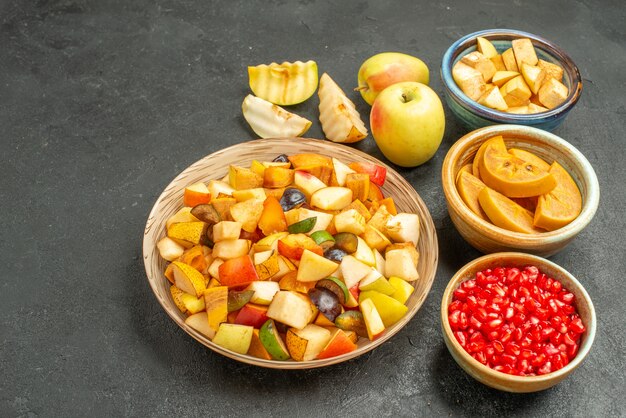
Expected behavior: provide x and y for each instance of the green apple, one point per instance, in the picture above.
(271, 340)
(382, 70)
(408, 122)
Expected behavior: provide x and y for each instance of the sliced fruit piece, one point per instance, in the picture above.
(552, 70)
(247, 194)
(505, 213)
(485, 47)
(231, 248)
(350, 221)
(552, 93)
(399, 262)
(561, 205)
(322, 221)
(253, 315)
(373, 322)
(196, 194)
(375, 281)
(377, 172)
(314, 267)
(248, 213)
(216, 302)
(481, 63)
(268, 120)
(352, 321)
(493, 98)
(338, 116)
(530, 157)
(402, 289)
(256, 347)
(272, 219)
(238, 271)
(303, 226)
(375, 239)
(516, 92)
(264, 291)
(346, 241)
(192, 304)
(468, 187)
(534, 76)
(169, 249)
(496, 142)
(340, 172)
(284, 84)
(292, 309)
(404, 227)
(269, 242)
(226, 230)
(237, 299)
(200, 323)
(512, 176)
(293, 246)
(183, 215)
(271, 340)
(331, 198)
(326, 302)
(498, 62)
(217, 187)
(364, 253)
(290, 282)
(277, 177)
(353, 270)
(188, 279)
(336, 286)
(323, 239)
(222, 207)
(188, 234)
(524, 51)
(296, 345)
(307, 183)
(338, 344)
(508, 57)
(469, 80)
(359, 183)
(500, 78)
(177, 298)
(389, 309)
(270, 267)
(241, 178)
(305, 344)
(234, 337)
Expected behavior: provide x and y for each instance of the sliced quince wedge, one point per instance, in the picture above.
(512, 176)
(561, 205)
(271, 121)
(505, 213)
(284, 84)
(339, 118)
(469, 187)
(497, 142)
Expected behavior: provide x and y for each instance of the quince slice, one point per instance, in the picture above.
(284, 84)
(271, 121)
(505, 213)
(561, 205)
(512, 176)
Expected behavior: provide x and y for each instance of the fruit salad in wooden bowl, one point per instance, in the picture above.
(290, 253)
(512, 187)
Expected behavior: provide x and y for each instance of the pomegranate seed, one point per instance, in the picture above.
(516, 321)
(577, 326)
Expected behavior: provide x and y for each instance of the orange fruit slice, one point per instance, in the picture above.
(530, 157)
(529, 203)
(560, 206)
(505, 213)
(497, 142)
(469, 187)
(511, 175)
(466, 168)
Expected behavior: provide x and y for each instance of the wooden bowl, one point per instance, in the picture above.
(215, 166)
(489, 238)
(503, 381)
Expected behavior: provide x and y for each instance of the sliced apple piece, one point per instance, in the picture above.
(247, 213)
(200, 323)
(350, 221)
(234, 337)
(373, 322)
(339, 118)
(264, 291)
(196, 194)
(271, 121)
(404, 227)
(375, 281)
(339, 343)
(403, 289)
(399, 263)
(256, 347)
(340, 172)
(253, 315)
(534, 76)
(307, 183)
(226, 230)
(284, 84)
(364, 253)
(493, 98)
(389, 309)
(516, 92)
(552, 70)
(524, 52)
(292, 309)
(169, 249)
(231, 248)
(481, 63)
(353, 270)
(331, 198)
(500, 78)
(247, 194)
(305, 344)
(552, 93)
(217, 187)
(314, 267)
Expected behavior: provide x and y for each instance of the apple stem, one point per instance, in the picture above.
(360, 88)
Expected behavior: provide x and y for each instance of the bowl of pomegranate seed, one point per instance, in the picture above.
(517, 322)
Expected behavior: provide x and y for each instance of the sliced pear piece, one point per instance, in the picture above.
(338, 115)
(271, 121)
(284, 84)
(200, 323)
(188, 279)
(314, 267)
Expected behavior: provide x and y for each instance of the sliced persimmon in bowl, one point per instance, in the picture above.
(469, 187)
(497, 142)
(512, 176)
(561, 205)
(505, 213)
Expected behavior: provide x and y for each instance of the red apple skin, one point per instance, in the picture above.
(237, 272)
(252, 315)
(339, 344)
(377, 173)
(382, 70)
(293, 245)
(408, 123)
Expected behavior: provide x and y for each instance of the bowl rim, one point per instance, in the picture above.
(515, 239)
(486, 370)
(148, 247)
(493, 115)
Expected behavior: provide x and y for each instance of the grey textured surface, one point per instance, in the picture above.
(103, 102)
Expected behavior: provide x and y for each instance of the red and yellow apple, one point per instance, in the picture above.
(387, 68)
(408, 122)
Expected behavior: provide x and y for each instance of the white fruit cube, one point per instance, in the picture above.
(217, 187)
(317, 337)
(469, 80)
(169, 249)
(291, 309)
(350, 221)
(264, 291)
(231, 248)
(314, 267)
(331, 198)
(353, 270)
(399, 263)
(307, 183)
(200, 323)
(404, 227)
(341, 171)
(226, 230)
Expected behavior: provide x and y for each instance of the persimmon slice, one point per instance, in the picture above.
(530, 157)
(469, 187)
(513, 176)
(505, 213)
(561, 205)
(497, 142)
(466, 168)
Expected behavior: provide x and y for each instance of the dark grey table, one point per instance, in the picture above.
(103, 102)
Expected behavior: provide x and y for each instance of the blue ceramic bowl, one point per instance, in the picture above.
(474, 115)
